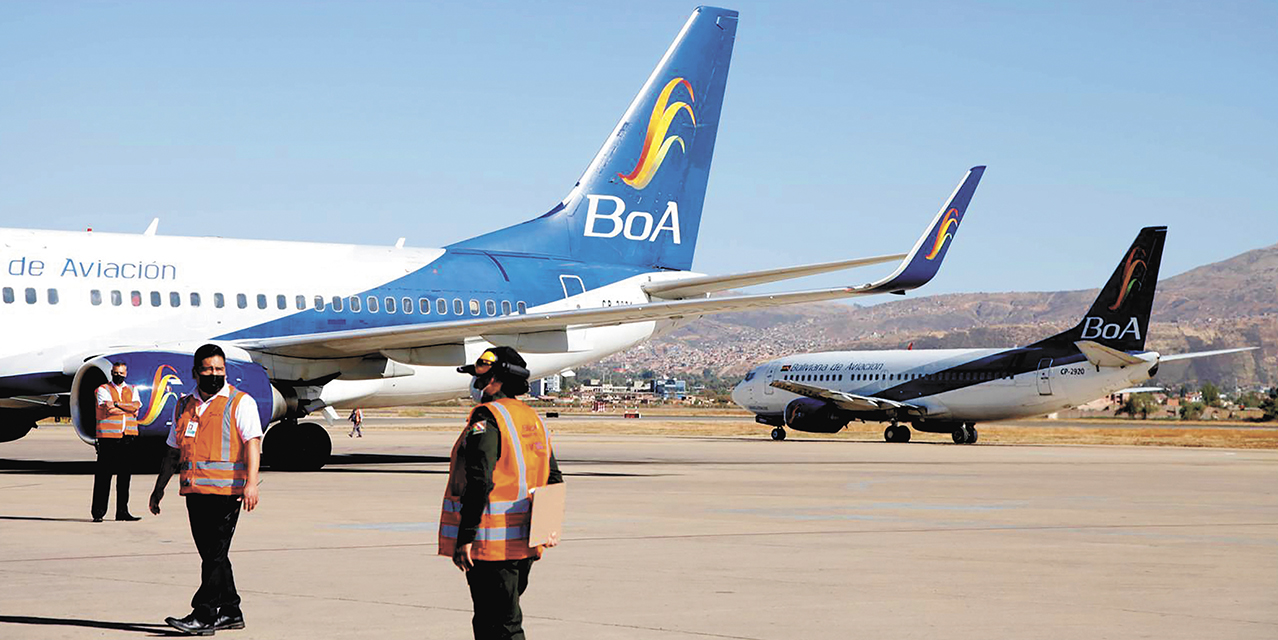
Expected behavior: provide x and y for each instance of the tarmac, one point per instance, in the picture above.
(685, 537)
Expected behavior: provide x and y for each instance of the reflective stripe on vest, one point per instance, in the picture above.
(505, 521)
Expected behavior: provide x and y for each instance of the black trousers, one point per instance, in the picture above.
(213, 519)
(495, 588)
(115, 455)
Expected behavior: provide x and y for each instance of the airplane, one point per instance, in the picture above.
(950, 390)
(310, 328)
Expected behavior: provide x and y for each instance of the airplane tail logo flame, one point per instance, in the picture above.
(655, 143)
(160, 393)
(944, 233)
(1135, 260)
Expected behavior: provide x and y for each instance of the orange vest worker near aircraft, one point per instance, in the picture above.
(501, 456)
(216, 446)
(117, 418)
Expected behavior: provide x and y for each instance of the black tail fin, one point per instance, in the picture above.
(1120, 316)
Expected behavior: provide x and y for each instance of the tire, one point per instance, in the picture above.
(960, 435)
(778, 434)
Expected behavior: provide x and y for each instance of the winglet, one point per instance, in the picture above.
(151, 228)
(925, 259)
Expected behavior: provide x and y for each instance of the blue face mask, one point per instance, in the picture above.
(476, 390)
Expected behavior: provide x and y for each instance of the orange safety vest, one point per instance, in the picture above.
(121, 425)
(524, 464)
(213, 458)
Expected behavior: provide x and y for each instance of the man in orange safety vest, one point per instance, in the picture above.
(117, 428)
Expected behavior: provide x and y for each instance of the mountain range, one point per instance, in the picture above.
(1231, 303)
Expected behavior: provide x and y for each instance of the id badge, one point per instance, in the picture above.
(191, 427)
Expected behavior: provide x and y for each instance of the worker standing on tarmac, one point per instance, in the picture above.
(216, 446)
(502, 454)
(117, 418)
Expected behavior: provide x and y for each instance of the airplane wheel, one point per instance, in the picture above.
(971, 433)
(903, 433)
(889, 434)
(960, 435)
(778, 433)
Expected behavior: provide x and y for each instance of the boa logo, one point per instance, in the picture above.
(160, 393)
(1094, 327)
(655, 142)
(1131, 281)
(638, 225)
(944, 233)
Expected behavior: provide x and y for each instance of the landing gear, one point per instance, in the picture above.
(965, 434)
(778, 433)
(290, 446)
(896, 433)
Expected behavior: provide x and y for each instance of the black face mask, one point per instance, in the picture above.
(211, 384)
(117, 379)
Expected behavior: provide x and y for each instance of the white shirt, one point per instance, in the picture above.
(246, 418)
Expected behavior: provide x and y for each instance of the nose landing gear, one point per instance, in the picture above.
(778, 433)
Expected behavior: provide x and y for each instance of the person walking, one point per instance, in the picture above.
(357, 419)
(117, 428)
(216, 447)
(502, 454)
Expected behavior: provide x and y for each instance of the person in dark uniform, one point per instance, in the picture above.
(117, 428)
(216, 446)
(501, 456)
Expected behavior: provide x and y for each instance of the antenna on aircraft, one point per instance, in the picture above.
(150, 229)
(399, 244)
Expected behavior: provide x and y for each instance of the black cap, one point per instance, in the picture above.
(507, 364)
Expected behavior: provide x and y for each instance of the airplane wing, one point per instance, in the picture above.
(844, 400)
(699, 286)
(1202, 354)
(552, 327)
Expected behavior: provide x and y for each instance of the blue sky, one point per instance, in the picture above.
(845, 125)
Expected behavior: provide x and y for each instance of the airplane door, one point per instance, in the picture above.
(1045, 377)
(572, 285)
(768, 389)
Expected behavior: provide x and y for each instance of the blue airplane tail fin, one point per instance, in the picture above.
(639, 202)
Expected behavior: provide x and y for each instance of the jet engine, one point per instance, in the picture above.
(159, 378)
(814, 416)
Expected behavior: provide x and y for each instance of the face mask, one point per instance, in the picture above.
(211, 384)
(477, 390)
(117, 379)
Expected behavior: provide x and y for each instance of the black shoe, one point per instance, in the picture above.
(191, 625)
(97, 518)
(128, 517)
(223, 621)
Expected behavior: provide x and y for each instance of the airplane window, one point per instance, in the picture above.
(30, 295)
(355, 306)
(505, 307)
(53, 296)
(406, 304)
(423, 306)
(8, 295)
(261, 301)
(136, 298)
(390, 304)
(219, 300)
(281, 301)
(155, 298)
(300, 303)
(474, 307)
(116, 299)
(523, 308)
(195, 299)
(95, 297)
(458, 307)
(372, 304)
(241, 301)
(175, 299)
(337, 303)
(490, 307)
(319, 303)
(441, 306)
